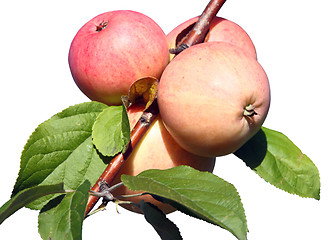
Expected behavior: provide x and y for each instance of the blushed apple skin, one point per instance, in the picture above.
(104, 63)
(156, 150)
(221, 30)
(203, 93)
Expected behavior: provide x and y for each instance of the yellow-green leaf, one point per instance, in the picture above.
(145, 89)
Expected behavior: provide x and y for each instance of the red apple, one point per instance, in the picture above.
(221, 30)
(156, 150)
(113, 50)
(213, 97)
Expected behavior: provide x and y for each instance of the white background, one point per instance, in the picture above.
(292, 41)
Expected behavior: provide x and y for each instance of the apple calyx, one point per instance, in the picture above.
(249, 111)
(101, 26)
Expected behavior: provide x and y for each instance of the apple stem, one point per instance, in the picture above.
(196, 35)
(201, 27)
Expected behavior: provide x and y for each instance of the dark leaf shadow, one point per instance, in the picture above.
(53, 203)
(254, 151)
(181, 208)
(106, 159)
(165, 228)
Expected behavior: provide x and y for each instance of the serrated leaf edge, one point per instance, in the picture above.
(206, 218)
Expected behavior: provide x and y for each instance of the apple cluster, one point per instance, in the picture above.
(212, 97)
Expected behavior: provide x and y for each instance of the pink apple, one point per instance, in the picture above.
(113, 50)
(213, 97)
(221, 30)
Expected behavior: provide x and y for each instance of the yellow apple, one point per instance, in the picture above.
(157, 150)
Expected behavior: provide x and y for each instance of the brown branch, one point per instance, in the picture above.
(196, 35)
(118, 161)
(199, 31)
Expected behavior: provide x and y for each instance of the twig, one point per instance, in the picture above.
(199, 31)
(196, 35)
(118, 161)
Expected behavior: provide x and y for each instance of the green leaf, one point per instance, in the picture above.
(61, 150)
(278, 161)
(199, 194)
(165, 228)
(27, 196)
(111, 131)
(64, 220)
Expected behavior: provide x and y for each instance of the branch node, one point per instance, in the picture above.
(179, 49)
(105, 192)
(146, 118)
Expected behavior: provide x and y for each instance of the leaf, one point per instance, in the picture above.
(27, 196)
(111, 131)
(278, 161)
(64, 220)
(199, 194)
(145, 88)
(165, 228)
(61, 150)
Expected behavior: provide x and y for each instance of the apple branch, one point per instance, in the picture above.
(118, 161)
(195, 36)
(199, 31)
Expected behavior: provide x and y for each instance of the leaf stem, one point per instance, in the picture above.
(131, 195)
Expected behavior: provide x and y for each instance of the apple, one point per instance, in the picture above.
(114, 49)
(221, 30)
(156, 150)
(213, 97)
